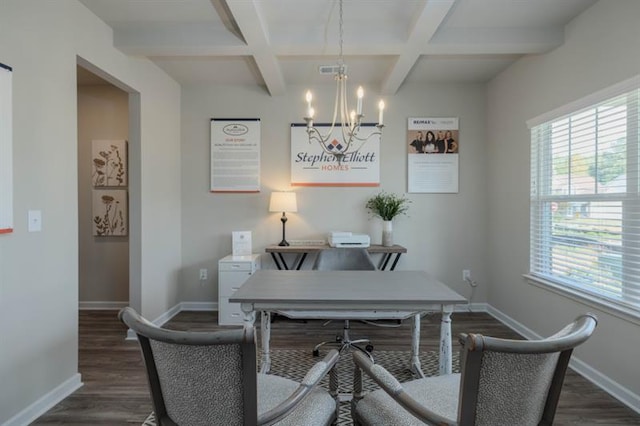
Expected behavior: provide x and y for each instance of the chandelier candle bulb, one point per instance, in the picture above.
(381, 106)
(309, 98)
(360, 96)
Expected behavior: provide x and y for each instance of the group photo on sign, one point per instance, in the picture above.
(433, 173)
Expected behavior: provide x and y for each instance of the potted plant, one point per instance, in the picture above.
(387, 206)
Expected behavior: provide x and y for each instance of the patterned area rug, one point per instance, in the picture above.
(294, 364)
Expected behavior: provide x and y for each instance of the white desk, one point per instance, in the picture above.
(349, 295)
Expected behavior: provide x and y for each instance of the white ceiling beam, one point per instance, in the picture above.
(483, 41)
(424, 27)
(253, 28)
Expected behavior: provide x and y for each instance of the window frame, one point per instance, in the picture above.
(557, 284)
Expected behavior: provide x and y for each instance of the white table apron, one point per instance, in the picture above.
(266, 291)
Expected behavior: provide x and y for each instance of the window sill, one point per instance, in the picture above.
(586, 299)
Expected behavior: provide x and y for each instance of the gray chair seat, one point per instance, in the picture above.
(315, 409)
(440, 391)
(210, 378)
(503, 382)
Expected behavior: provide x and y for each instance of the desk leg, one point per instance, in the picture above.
(300, 261)
(275, 260)
(385, 261)
(395, 261)
(445, 340)
(415, 365)
(284, 263)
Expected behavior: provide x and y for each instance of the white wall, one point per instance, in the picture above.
(39, 271)
(444, 233)
(103, 114)
(601, 49)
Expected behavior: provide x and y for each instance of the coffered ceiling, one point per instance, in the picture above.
(386, 43)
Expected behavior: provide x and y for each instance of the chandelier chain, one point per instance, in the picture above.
(341, 58)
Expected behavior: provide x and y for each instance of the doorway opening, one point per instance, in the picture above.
(108, 167)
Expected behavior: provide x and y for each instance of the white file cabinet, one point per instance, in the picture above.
(232, 273)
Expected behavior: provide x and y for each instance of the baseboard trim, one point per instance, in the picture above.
(111, 306)
(164, 318)
(198, 306)
(46, 402)
(613, 388)
(471, 307)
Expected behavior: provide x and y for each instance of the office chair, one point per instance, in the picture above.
(344, 259)
(210, 378)
(502, 382)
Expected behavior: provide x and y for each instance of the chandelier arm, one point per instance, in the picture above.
(357, 138)
(314, 134)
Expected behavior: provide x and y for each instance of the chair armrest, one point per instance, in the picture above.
(394, 389)
(310, 381)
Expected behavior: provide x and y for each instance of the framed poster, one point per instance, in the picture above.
(235, 155)
(110, 213)
(313, 164)
(433, 145)
(109, 163)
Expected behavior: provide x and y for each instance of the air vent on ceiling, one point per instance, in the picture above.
(331, 69)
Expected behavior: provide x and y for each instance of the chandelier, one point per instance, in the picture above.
(350, 122)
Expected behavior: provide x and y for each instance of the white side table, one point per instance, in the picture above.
(233, 271)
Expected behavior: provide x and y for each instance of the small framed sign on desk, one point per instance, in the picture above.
(241, 243)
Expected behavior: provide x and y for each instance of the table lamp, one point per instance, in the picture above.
(283, 202)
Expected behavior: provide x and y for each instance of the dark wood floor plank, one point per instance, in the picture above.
(115, 387)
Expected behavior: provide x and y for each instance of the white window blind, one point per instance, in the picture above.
(6, 155)
(585, 203)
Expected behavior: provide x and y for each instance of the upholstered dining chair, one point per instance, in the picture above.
(502, 382)
(210, 378)
(344, 259)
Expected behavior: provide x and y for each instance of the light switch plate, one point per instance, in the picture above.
(35, 221)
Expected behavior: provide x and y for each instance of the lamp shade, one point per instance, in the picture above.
(283, 202)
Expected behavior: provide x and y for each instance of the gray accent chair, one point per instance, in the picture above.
(344, 259)
(502, 382)
(210, 378)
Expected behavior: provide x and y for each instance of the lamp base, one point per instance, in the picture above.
(284, 242)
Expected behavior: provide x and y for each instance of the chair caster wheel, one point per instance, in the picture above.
(316, 353)
(369, 348)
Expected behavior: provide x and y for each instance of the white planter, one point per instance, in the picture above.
(387, 233)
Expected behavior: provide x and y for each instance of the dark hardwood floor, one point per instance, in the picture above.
(115, 388)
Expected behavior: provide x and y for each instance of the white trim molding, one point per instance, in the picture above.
(198, 306)
(106, 306)
(46, 402)
(613, 388)
(599, 96)
(175, 310)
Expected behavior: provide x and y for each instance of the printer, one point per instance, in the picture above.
(348, 239)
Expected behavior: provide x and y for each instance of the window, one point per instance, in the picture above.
(585, 198)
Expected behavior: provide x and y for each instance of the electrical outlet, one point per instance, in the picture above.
(203, 274)
(466, 275)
